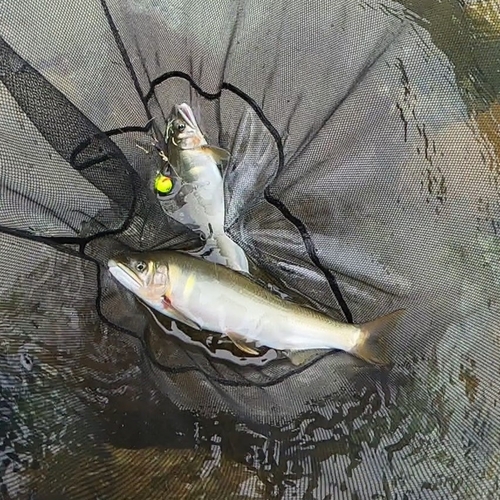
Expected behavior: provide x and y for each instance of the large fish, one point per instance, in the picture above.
(208, 296)
(195, 164)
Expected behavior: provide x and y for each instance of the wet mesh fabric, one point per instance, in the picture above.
(363, 178)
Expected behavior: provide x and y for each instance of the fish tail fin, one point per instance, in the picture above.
(372, 346)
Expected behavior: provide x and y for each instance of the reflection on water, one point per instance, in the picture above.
(468, 32)
(152, 448)
(153, 473)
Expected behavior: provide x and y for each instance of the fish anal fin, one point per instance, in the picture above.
(302, 357)
(373, 344)
(218, 154)
(240, 342)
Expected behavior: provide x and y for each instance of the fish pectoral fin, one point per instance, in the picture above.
(218, 154)
(240, 342)
(179, 316)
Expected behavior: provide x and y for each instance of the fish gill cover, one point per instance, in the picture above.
(363, 178)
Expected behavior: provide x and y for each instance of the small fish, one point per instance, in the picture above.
(209, 296)
(195, 163)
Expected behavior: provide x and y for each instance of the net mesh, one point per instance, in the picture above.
(363, 178)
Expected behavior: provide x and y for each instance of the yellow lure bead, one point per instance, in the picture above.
(163, 184)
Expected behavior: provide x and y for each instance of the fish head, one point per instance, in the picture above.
(183, 130)
(142, 275)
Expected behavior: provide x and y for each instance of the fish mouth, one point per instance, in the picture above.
(185, 112)
(124, 275)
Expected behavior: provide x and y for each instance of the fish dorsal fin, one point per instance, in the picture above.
(240, 342)
(218, 154)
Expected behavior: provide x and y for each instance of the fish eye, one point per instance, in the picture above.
(180, 127)
(140, 266)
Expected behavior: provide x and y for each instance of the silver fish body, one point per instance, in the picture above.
(195, 163)
(212, 297)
